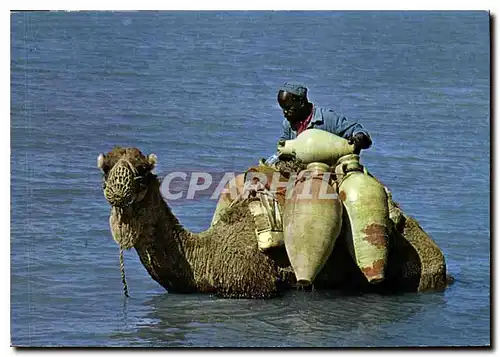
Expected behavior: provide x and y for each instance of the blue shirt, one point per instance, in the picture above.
(328, 120)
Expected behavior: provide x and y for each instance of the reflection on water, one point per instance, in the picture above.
(295, 320)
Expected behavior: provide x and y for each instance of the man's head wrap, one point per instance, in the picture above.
(295, 88)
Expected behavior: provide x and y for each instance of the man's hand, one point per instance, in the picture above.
(360, 141)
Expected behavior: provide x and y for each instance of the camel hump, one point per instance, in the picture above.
(257, 186)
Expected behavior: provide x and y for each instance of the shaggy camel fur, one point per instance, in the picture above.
(225, 260)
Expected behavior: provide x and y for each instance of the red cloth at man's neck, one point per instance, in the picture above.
(301, 126)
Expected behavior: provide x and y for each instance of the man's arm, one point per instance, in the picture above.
(346, 128)
(286, 135)
(341, 126)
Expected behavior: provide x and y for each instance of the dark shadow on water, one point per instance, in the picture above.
(298, 319)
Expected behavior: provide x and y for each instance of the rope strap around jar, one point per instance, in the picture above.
(304, 175)
(345, 165)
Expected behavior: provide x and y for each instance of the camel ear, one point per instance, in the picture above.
(152, 159)
(100, 161)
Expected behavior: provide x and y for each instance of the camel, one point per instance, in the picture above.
(225, 260)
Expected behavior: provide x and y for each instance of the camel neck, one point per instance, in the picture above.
(165, 251)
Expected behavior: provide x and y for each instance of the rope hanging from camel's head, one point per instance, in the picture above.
(122, 270)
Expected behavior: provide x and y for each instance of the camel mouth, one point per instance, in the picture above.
(119, 203)
(126, 173)
(122, 186)
(127, 199)
(119, 195)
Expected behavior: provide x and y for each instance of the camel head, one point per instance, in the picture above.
(126, 173)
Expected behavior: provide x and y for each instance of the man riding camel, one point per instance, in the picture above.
(300, 115)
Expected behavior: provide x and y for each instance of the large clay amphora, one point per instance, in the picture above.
(365, 202)
(315, 145)
(312, 220)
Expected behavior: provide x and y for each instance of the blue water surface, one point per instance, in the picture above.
(199, 90)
